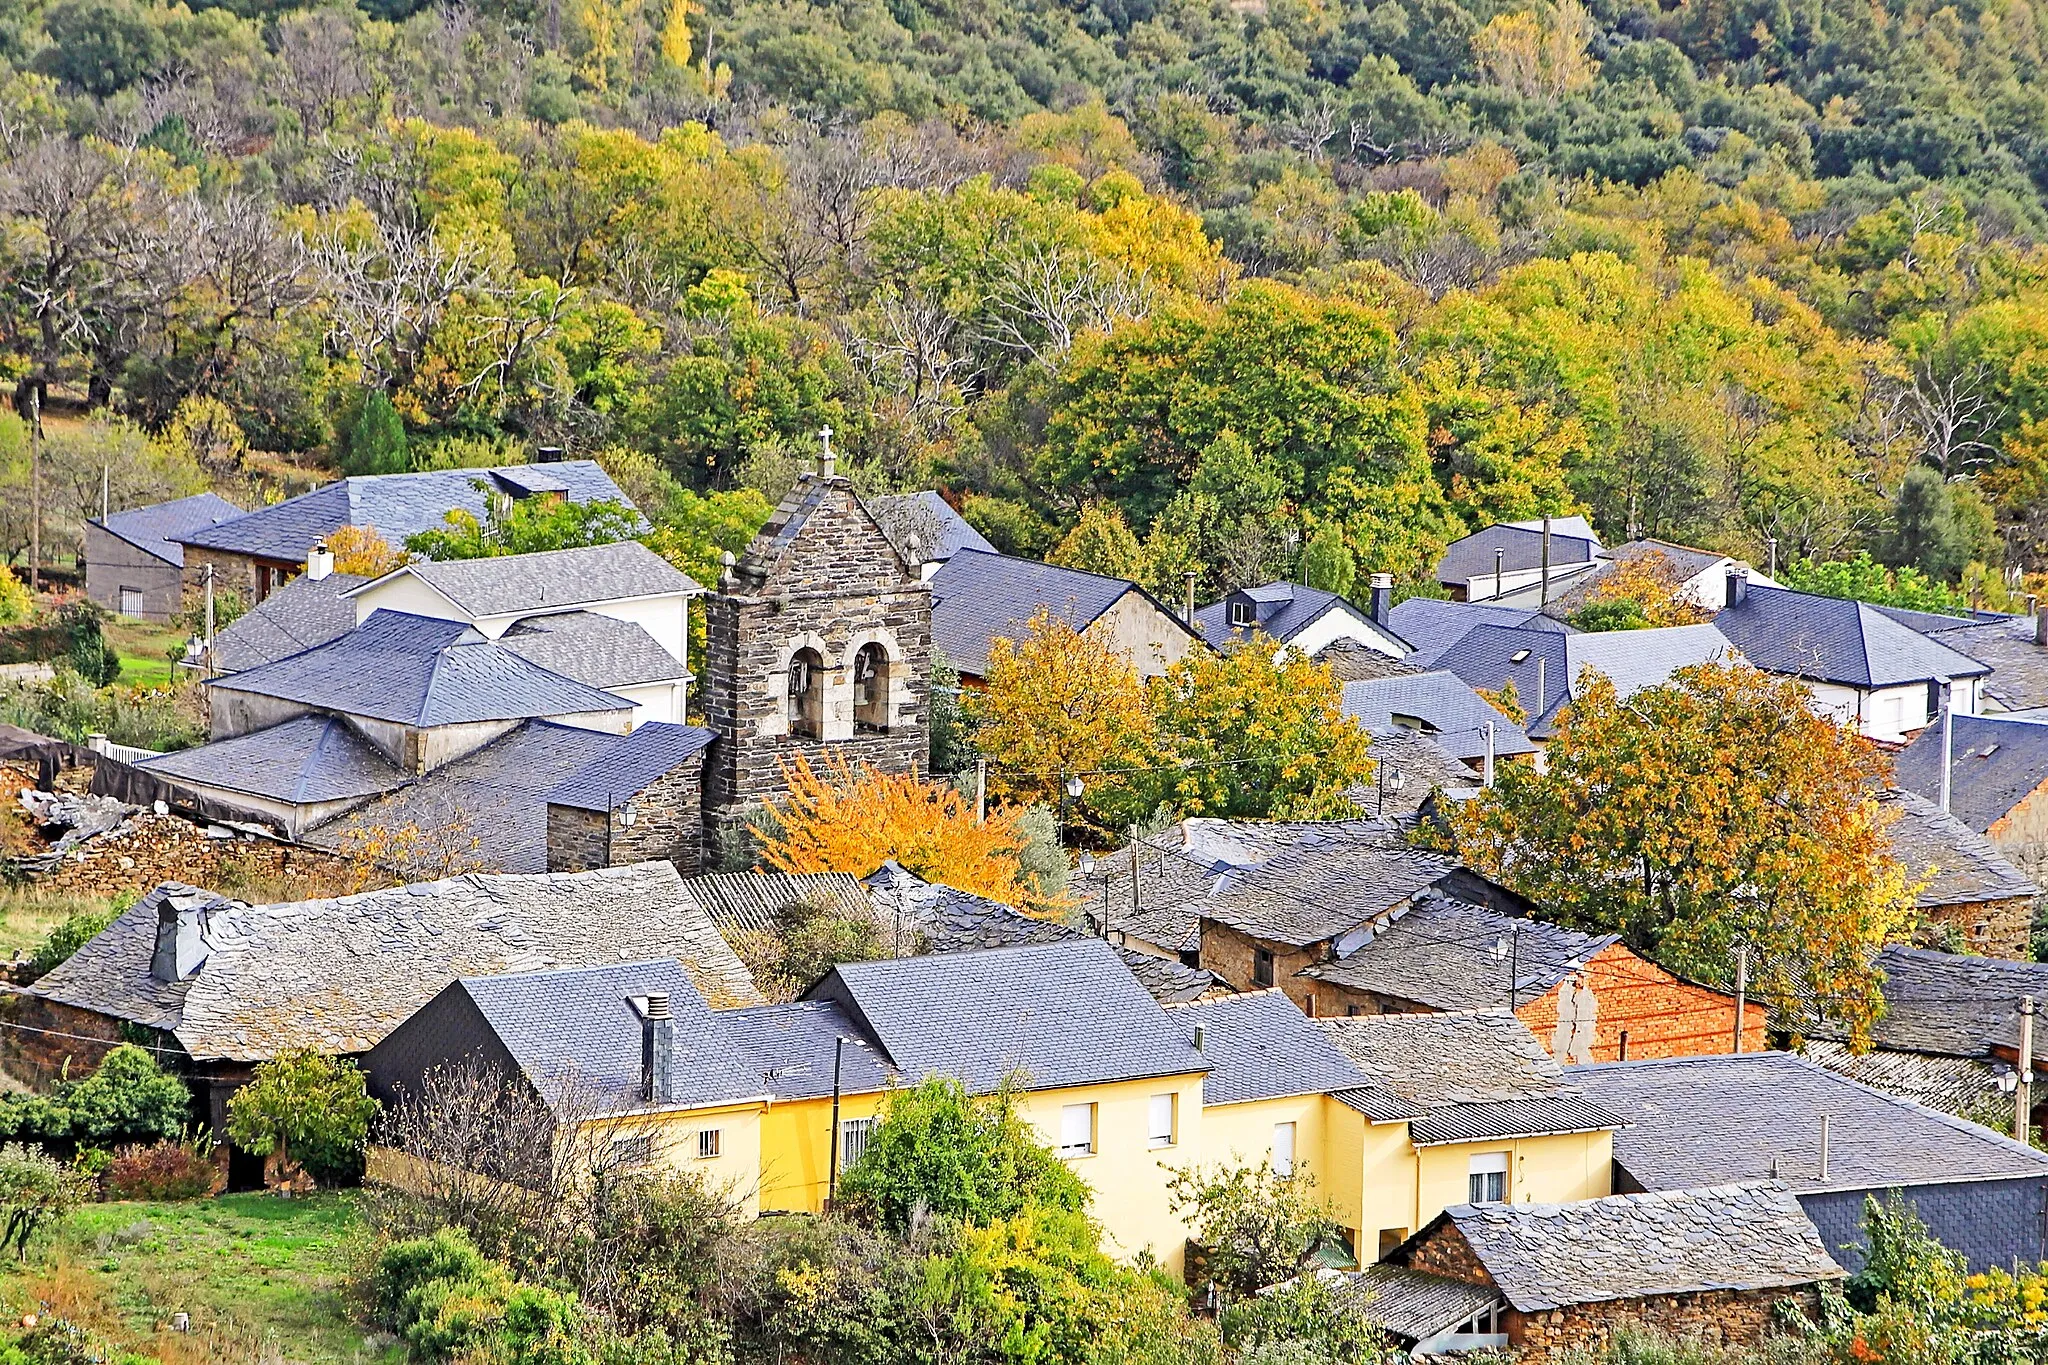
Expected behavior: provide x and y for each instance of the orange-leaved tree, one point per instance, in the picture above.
(1645, 589)
(360, 550)
(1713, 809)
(852, 819)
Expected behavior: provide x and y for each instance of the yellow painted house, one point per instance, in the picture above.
(1397, 1117)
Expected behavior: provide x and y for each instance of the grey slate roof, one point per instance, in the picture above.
(792, 1046)
(295, 617)
(1958, 865)
(304, 761)
(1433, 625)
(1260, 1046)
(1535, 1116)
(1451, 1058)
(978, 597)
(1953, 1004)
(631, 765)
(1830, 639)
(1954, 1085)
(1440, 704)
(1061, 1014)
(1633, 659)
(1171, 886)
(1440, 954)
(1325, 884)
(749, 902)
(548, 580)
(927, 517)
(1994, 763)
(1409, 766)
(1534, 659)
(396, 506)
(1473, 556)
(415, 670)
(1756, 1115)
(1683, 561)
(2019, 681)
(1283, 611)
(157, 529)
(575, 1033)
(339, 974)
(1411, 1304)
(1741, 1236)
(597, 651)
(1349, 661)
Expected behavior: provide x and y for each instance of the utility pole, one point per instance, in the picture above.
(1948, 737)
(981, 789)
(1741, 988)
(1511, 950)
(832, 1183)
(1488, 775)
(106, 475)
(207, 573)
(2023, 1095)
(1499, 586)
(35, 488)
(1543, 593)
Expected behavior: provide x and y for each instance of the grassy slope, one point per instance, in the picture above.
(261, 1276)
(143, 647)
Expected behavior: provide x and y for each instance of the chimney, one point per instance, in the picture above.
(1738, 586)
(1190, 576)
(2041, 627)
(181, 945)
(548, 455)
(657, 1047)
(1382, 597)
(319, 561)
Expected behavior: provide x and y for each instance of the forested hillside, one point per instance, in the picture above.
(1247, 287)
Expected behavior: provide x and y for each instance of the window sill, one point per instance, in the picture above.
(1076, 1154)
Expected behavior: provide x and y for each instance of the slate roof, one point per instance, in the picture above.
(1954, 1085)
(496, 795)
(1260, 1046)
(1455, 1057)
(1283, 610)
(791, 1047)
(1756, 1115)
(1684, 562)
(575, 1033)
(630, 765)
(1958, 865)
(304, 761)
(415, 670)
(1472, 556)
(339, 974)
(1172, 883)
(1953, 1004)
(1628, 1246)
(1433, 625)
(1440, 954)
(1534, 659)
(1409, 766)
(1349, 661)
(597, 651)
(1443, 706)
(547, 580)
(302, 613)
(749, 902)
(2019, 681)
(1994, 763)
(396, 506)
(1325, 884)
(157, 529)
(928, 517)
(1411, 1304)
(979, 597)
(1830, 639)
(1061, 1014)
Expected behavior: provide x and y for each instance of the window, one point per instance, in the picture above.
(131, 601)
(1283, 1149)
(1242, 613)
(1488, 1182)
(1391, 1238)
(1262, 967)
(631, 1152)
(1077, 1130)
(1485, 1323)
(1159, 1130)
(807, 694)
(707, 1143)
(853, 1139)
(1933, 698)
(871, 689)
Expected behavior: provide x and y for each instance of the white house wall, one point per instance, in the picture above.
(1339, 624)
(1142, 633)
(406, 593)
(661, 701)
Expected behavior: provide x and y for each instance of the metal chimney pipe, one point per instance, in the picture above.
(657, 1050)
(1948, 738)
(1826, 1133)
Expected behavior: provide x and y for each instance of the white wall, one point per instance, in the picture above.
(661, 701)
(1340, 623)
(403, 592)
(1891, 714)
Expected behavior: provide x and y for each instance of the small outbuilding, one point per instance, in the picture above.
(134, 563)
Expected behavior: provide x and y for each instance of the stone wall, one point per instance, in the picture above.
(1444, 1251)
(668, 825)
(1723, 1317)
(153, 848)
(2002, 928)
(577, 839)
(1231, 954)
(45, 1041)
(231, 572)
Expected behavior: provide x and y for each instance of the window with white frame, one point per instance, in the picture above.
(1283, 1149)
(1242, 613)
(853, 1139)
(1487, 1182)
(1159, 1129)
(1077, 1130)
(1485, 1323)
(707, 1143)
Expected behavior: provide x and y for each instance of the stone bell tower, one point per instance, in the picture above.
(819, 644)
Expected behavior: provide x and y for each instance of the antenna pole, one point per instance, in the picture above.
(1489, 754)
(1741, 988)
(1948, 738)
(832, 1185)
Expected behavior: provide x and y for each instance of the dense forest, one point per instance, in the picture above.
(1247, 287)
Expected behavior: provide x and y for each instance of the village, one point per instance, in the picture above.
(494, 880)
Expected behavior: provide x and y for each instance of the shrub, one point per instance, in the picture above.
(88, 652)
(317, 1108)
(35, 1190)
(163, 1170)
(77, 929)
(130, 1099)
(16, 605)
(447, 1301)
(69, 707)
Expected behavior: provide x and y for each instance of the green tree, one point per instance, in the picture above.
(101, 46)
(1255, 1225)
(1101, 542)
(129, 1098)
(542, 522)
(317, 1109)
(376, 438)
(1926, 531)
(1327, 562)
(88, 652)
(35, 1191)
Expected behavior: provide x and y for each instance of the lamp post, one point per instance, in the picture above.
(1069, 794)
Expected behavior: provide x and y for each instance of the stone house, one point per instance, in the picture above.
(1968, 891)
(1718, 1264)
(134, 563)
(1998, 781)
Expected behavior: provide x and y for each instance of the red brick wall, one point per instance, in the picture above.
(1662, 1015)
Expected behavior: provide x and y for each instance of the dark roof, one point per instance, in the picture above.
(547, 580)
(750, 902)
(928, 518)
(1442, 706)
(597, 651)
(295, 617)
(1684, 561)
(1535, 1116)
(1325, 884)
(792, 1049)
(576, 1033)
(631, 765)
(304, 761)
(416, 670)
(1628, 1246)
(1757, 1115)
(1170, 888)
(2019, 680)
(1062, 1014)
(1411, 1304)
(396, 506)
(1473, 556)
(978, 597)
(1440, 953)
(1957, 865)
(339, 974)
(1409, 765)
(1534, 659)
(1953, 1004)
(1283, 611)
(1995, 762)
(1260, 1046)
(1433, 625)
(157, 529)
(1459, 1057)
(1831, 639)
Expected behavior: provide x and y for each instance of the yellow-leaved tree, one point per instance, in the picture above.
(360, 550)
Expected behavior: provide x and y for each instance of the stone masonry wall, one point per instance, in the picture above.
(2002, 928)
(1230, 953)
(1444, 1251)
(45, 1041)
(1725, 1317)
(668, 825)
(576, 839)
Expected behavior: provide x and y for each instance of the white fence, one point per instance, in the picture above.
(126, 753)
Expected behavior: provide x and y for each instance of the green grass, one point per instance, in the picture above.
(144, 649)
(262, 1277)
(27, 915)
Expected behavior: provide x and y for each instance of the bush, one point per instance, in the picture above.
(70, 707)
(163, 1170)
(87, 651)
(130, 1099)
(35, 1190)
(317, 1108)
(447, 1301)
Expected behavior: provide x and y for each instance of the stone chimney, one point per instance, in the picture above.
(1382, 597)
(657, 1049)
(181, 923)
(1738, 586)
(319, 561)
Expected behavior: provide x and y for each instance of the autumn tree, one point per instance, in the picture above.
(1715, 809)
(848, 819)
(1643, 590)
(360, 550)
